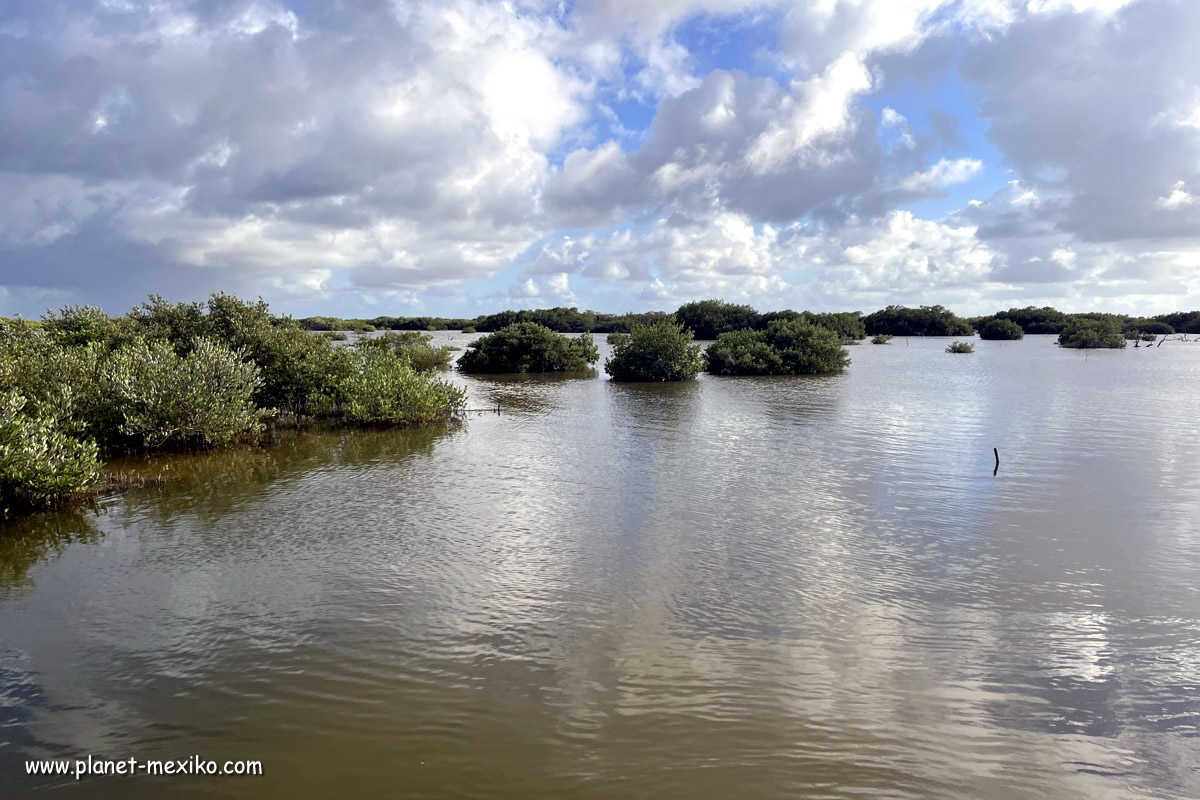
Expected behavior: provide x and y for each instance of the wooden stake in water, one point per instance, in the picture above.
(996, 452)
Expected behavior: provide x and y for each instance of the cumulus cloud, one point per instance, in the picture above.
(403, 149)
(943, 173)
(378, 154)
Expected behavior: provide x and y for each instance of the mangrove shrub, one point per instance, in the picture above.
(380, 386)
(203, 398)
(662, 351)
(786, 347)
(708, 319)
(960, 347)
(1031, 319)
(923, 321)
(414, 346)
(1182, 321)
(529, 347)
(1084, 333)
(40, 464)
(848, 325)
(1001, 329)
(1154, 327)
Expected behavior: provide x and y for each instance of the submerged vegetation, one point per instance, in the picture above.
(529, 347)
(662, 351)
(960, 347)
(81, 386)
(786, 347)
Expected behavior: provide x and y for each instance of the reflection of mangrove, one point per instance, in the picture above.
(531, 393)
(802, 399)
(208, 484)
(27, 541)
(655, 406)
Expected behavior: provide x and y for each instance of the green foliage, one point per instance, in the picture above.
(712, 313)
(415, 346)
(56, 380)
(296, 370)
(189, 374)
(563, 320)
(6, 322)
(157, 319)
(335, 336)
(40, 464)
(881, 338)
(662, 351)
(380, 387)
(708, 319)
(1031, 319)
(205, 397)
(786, 347)
(1182, 321)
(379, 323)
(1001, 329)
(529, 347)
(623, 323)
(1154, 327)
(79, 325)
(960, 347)
(744, 352)
(848, 325)
(923, 321)
(1087, 333)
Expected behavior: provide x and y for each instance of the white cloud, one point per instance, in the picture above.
(1178, 197)
(385, 152)
(944, 173)
(666, 71)
(903, 253)
(817, 108)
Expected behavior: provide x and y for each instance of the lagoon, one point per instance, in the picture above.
(759, 587)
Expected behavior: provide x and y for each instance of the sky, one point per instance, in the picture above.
(382, 157)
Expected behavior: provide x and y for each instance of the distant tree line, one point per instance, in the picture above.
(923, 321)
(708, 319)
(562, 320)
(1048, 320)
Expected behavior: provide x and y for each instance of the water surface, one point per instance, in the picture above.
(767, 588)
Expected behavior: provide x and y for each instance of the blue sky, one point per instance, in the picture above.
(460, 157)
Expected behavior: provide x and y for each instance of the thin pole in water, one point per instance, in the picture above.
(996, 452)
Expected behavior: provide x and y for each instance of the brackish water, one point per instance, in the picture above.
(757, 588)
